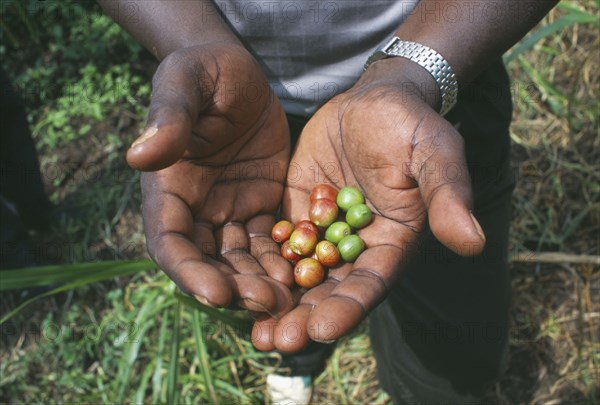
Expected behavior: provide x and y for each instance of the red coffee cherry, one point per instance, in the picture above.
(309, 273)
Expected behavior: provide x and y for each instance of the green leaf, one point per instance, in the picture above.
(203, 356)
(76, 274)
(574, 16)
(140, 394)
(537, 36)
(103, 273)
(223, 315)
(173, 371)
(577, 14)
(144, 320)
(226, 387)
(554, 97)
(157, 376)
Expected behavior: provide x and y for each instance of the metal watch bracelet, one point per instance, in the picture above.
(427, 58)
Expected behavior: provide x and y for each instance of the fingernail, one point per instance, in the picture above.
(324, 341)
(478, 227)
(148, 133)
(203, 300)
(243, 302)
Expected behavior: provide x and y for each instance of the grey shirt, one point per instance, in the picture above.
(313, 50)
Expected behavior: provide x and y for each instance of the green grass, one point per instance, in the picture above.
(146, 344)
(119, 332)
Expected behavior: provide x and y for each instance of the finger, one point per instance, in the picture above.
(262, 295)
(358, 293)
(296, 202)
(204, 238)
(214, 283)
(291, 333)
(266, 251)
(254, 293)
(186, 252)
(287, 333)
(189, 269)
(177, 97)
(445, 187)
(170, 232)
(257, 291)
(233, 245)
(263, 333)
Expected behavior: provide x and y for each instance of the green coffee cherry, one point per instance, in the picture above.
(337, 231)
(351, 247)
(359, 216)
(348, 197)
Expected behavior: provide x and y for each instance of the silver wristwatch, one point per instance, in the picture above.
(427, 58)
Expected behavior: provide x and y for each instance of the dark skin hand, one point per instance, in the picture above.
(385, 137)
(217, 146)
(409, 163)
(209, 207)
(215, 152)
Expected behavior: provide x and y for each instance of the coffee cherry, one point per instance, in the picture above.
(337, 231)
(282, 231)
(308, 273)
(323, 191)
(303, 241)
(359, 216)
(307, 225)
(323, 212)
(348, 197)
(351, 247)
(327, 254)
(288, 254)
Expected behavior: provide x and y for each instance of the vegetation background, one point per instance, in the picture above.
(108, 327)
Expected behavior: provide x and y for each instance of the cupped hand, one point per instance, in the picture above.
(215, 152)
(384, 138)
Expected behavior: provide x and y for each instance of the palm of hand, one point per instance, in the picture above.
(393, 151)
(223, 139)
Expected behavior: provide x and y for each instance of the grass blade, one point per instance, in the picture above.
(157, 376)
(143, 321)
(226, 387)
(173, 371)
(556, 99)
(59, 274)
(140, 394)
(225, 316)
(577, 14)
(105, 274)
(203, 356)
(574, 17)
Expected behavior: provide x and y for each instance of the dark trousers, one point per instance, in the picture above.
(441, 336)
(23, 201)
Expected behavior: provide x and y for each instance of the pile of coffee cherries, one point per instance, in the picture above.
(303, 245)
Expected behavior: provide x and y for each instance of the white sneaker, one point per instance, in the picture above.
(284, 390)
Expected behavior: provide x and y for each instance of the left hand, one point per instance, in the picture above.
(383, 137)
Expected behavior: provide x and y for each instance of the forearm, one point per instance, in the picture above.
(165, 26)
(468, 34)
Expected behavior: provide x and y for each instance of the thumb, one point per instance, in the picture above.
(162, 143)
(445, 187)
(176, 98)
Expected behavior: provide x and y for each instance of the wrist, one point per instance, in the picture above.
(427, 58)
(407, 76)
(163, 28)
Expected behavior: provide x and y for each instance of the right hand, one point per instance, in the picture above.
(215, 153)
